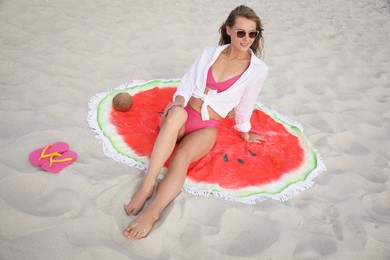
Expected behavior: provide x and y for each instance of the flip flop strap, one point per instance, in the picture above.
(59, 160)
(51, 155)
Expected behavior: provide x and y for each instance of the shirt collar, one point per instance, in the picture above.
(220, 48)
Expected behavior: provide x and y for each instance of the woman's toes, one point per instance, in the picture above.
(138, 236)
(141, 234)
(128, 209)
(134, 234)
(126, 233)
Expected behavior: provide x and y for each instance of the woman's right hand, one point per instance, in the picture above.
(179, 101)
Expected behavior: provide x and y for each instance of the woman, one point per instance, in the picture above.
(222, 78)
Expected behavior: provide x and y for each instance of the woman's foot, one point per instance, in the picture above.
(139, 198)
(142, 226)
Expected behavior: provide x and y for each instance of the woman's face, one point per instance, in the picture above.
(241, 24)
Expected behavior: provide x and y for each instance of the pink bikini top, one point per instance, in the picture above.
(220, 86)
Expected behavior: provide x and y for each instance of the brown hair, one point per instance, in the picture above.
(246, 12)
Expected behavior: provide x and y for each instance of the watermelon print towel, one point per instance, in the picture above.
(234, 169)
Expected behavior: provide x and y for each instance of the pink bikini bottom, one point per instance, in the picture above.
(194, 121)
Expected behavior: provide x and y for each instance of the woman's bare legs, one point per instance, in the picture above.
(193, 147)
(171, 129)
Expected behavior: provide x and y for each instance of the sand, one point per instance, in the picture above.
(329, 70)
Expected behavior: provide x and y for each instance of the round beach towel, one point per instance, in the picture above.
(234, 169)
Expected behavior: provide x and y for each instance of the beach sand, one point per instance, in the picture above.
(329, 70)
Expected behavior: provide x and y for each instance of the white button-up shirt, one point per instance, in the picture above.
(241, 95)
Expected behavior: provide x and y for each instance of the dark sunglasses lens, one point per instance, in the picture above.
(241, 34)
(253, 35)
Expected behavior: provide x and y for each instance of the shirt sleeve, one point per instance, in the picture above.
(245, 108)
(187, 83)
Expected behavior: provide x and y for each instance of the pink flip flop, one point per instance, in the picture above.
(43, 155)
(57, 163)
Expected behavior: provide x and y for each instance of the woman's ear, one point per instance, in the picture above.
(228, 30)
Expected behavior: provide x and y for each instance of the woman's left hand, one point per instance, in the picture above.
(252, 138)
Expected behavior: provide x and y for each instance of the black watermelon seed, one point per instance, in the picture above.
(240, 161)
(225, 158)
(252, 153)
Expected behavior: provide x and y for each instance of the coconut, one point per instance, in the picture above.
(122, 101)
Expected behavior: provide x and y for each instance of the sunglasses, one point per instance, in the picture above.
(242, 33)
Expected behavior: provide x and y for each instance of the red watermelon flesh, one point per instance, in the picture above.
(232, 163)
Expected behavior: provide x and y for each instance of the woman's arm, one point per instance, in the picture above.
(244, 109)
(188, 81)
